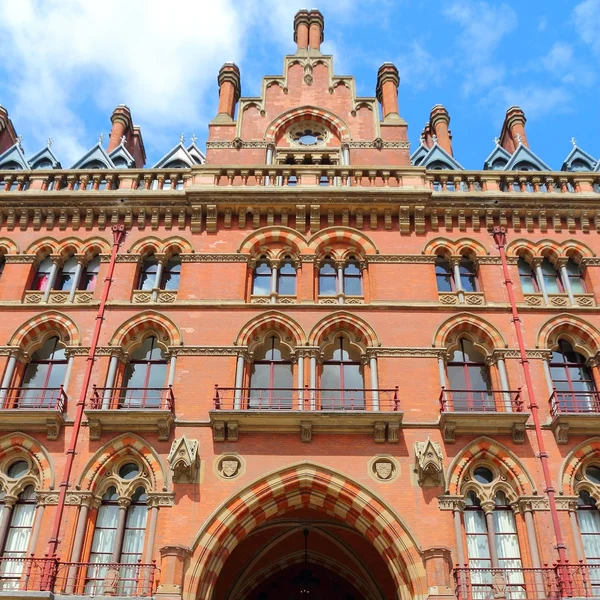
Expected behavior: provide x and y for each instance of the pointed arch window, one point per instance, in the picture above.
(89, 278)
(42, 275)
(469, 378)
(65, 278)
(527, 276)
(468, 275)
(352, 278)
(342, 378)
(551, 278)
(147, 278)
(286, 278)
(44, 375)
(145, 375)
(261, 278)
(572, 380)
(575, 277)
(271, 379)
(327, 278)
(443, 274)
(171, 274)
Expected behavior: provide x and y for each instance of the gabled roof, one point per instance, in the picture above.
(179, 153)
(417, 156)
(97, 153)
(579, 155)
(597, 169)
(45, 154)
(524, 154)
(497, 153)
(438, 154)
(196, 154)
(13, 155)
(120, 152)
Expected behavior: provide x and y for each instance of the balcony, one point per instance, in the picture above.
(574, 412)
(494, 412)
(307, 410)
(33, 409)
(550, 583)
(52, 576)
(131, 409)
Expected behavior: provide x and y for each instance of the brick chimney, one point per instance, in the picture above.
(309, 28)
(388, 81)
(229, 89)
(122, 125)
(439, 120)
(513, 130)
(8, 135)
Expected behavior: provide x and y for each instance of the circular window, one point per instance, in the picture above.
(17, 469)
(129, 471)
(483, 475)
(593, 474)
(308, 134)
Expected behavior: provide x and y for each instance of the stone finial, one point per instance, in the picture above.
(429, 463)
(574, 142)
(183, 459)
(49, 142)
(182, 138)
(193, 138)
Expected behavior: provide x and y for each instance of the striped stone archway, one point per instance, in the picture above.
(307, 486)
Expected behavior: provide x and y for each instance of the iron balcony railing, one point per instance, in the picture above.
(132, 398)
(307, 399)
(546, 583)
(28, 398)
(574, 402)
(78, 578)
(492, 401)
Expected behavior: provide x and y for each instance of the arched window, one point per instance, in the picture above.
(286, 278)
(171, 274)
(352, 278)
(468, 275)
(551, 279)
(44, 375)
(589, 527)
(261, 278)
(527, 276)
(271, 376)
(111, 544)
(66, 275)
(443, 275)
(17, 538)
(42, 275)
(572, 379)
(469, 378)
(145, 375)
(147, 279)
(342, 378)
(90, 275)
(575, 277)
(328, 278)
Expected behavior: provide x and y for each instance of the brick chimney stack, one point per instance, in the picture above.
(439, 120)
(230, 89)
(8, 135)
(122, 125)
(309, 28)
(513, 130)
(388, 81)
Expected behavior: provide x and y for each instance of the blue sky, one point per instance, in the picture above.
(66, 64)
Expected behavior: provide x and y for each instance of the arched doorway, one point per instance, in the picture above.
(252, 548)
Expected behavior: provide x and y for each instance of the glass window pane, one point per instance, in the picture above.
(135, 375)
(90, 277)
(352, 286)
(353, 377)
(158, 375)
(327, 286)
(479, 378)
(171, 274)
(330, 378)
(260, 376)
(287, 285)
(456, 377)
(282, 376)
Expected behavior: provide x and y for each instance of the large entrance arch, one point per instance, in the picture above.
(263, 526)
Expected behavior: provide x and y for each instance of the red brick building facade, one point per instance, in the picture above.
(292, 366)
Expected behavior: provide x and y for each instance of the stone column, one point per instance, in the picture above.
(172, 571)
(313, 380)
(145, 575)
(9, 504)
(8, 374)
(457, 509)
(374, 380)
(110, 381)
(56, 264)
(300, 382)
(120, 532)
(160, 267)
(438, 568)
(273, 291)
(76, 278)
(488, 508)
(455, 264)
(339, 265)
(501, 363)
(536, 263)
(71, 357)
(172, 365)
(239, 380)
(86, 501)
(561, 265)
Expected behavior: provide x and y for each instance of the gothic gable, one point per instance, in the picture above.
(95, 158)
(438, 158)
(121, 158)
(45, 159)
(497, 160)
(13, 159)
(579, 160)
(177, 158)
(524, 159)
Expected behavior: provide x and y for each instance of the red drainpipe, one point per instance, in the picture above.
(118, 235)
(500, 239)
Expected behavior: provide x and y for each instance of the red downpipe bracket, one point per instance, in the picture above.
(118, 236)
(499, 234)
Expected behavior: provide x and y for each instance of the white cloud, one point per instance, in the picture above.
(420, 69)
(587, 22)
(561, 63)
(535, 100)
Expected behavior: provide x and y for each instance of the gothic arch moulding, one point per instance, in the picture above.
(482, 333)
(309, 486)
(99, 467)
(134, 330)
(464, 246)
(345, 236)
(302, 113)
(363, 334)
(255, 329)
(573, 462)
(583, 336)
(43, 247)
(153, 245)
(38, 329)
(273, 235)
(7, 246)
(20, 443)
(491, 451)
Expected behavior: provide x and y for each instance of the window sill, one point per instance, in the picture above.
(560, 300)
(278, 299)
(145, 296)
(58, 297)
(470, 298)
(341, 299)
